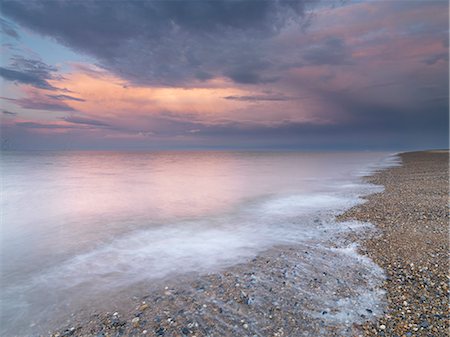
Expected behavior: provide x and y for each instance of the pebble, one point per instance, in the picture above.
(424, 324)
(135, 322)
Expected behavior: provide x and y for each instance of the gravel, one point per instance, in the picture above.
(412, 216)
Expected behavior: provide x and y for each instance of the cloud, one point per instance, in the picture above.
(37, 101)
(36, 104)
(331, 51)
(8, 29)
(84, 121)
(372, 115)
(242, 73)
(432, 59)
(247, 76)
(280, 135)
(167, 42)
(66, 98)
(260, 98)
(24, 78)
(33, 125)
(29, 71)
(9, 113)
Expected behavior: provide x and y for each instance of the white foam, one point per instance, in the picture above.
(155, 253)
(296, 203)
(392, 160)
(199, 246)
(367, 296)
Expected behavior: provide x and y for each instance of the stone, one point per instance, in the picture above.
(135, 322)
(159, 331)
(424, 324)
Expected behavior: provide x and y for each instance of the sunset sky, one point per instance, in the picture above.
(138, 75)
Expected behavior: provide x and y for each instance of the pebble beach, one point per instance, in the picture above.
(413, 245)
(281, 293)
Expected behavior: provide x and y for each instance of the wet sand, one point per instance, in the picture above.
(282, 292)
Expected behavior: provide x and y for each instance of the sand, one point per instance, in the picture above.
(272, 295)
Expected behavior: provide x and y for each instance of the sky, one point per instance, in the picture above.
(224, 74)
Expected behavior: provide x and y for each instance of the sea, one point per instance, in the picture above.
(79, 226)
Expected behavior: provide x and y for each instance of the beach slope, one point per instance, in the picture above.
(413, 244)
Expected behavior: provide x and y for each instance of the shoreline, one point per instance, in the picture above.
(412, 246)
(260, 297)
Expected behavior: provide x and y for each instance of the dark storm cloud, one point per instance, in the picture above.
(409, 119)
(331, 51)
(369, 133)
(404, 133)
(28, 71)
(248, 76)
(165, 42)
(203, 76)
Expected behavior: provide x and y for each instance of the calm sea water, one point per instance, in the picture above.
(78, 225)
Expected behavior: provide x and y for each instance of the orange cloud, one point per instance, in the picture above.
(110, 96)
(101, 95)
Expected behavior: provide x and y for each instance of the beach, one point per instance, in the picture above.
(412, 246)
(215, 168)
(262, 297)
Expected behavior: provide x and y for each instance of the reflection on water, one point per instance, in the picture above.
(74, 221)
